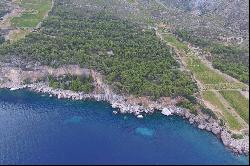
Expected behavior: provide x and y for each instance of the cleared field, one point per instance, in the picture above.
(204, 73)
(35, 10)
(223, 86)
(174, 42)
(18, 34)
(238, 102)
(131, 1)
(228, 117)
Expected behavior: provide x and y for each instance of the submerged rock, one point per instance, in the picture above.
(144, 131)
(74, 120)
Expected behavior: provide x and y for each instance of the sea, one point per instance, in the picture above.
(38, 129)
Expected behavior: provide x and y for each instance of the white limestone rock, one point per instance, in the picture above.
(166, 112)
(139, 116)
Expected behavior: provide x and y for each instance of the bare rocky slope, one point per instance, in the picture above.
(4, 9)
(222, 20)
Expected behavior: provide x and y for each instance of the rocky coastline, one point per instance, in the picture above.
(13, 78)
(120, 103)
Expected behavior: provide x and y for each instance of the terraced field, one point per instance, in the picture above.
(222, 86)
(204, 73)
(209, 77)
(179, 45)
(238, 102)
(230, 119)
(230, 105)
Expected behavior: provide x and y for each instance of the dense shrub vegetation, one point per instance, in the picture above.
(209, 112)
(133, 59)
(237, 136)
(74, 83)
(229, 59)
(188, 105)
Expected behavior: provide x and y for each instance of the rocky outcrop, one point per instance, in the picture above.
(166, 111)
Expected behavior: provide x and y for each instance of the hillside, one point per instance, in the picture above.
(4, 9)
(220, 20)
(88, 34)
(187, 54)
(219, 28)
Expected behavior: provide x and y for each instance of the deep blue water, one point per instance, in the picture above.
(37, 129)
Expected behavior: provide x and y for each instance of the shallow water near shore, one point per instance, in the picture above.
(37, 129)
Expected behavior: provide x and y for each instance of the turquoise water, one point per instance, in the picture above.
(37, 129)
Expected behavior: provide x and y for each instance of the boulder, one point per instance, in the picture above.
(201, 126)
(191, 120)
(166, 112)
(139, 116)
(216, 130)
(208, 128)
(187, 115)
